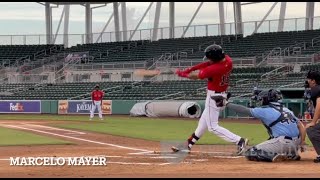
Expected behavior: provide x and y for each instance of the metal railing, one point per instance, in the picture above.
(275, 71)
(88, 94)
(294, 49)
(269, 54)
(168, 95)
(242, 95)
(290, 60)
(291, 84)
(242, 82)
(315, 41)
(108, 66)
(163, 33)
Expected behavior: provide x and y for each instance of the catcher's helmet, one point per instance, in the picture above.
(214, 53)
(268, 96)
(97, 86)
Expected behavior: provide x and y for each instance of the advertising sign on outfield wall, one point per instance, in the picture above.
(82, 107)
(20, 106)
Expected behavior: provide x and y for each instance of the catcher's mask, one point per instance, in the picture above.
(214, 53)
(268, 96)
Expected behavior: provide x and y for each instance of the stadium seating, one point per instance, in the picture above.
(259, 43)
(242, 79)
(147, 90)
(313, 67)
(144, 49)
(11, 54)
(126, 90)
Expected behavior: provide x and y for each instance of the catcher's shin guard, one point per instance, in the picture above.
(254, 154)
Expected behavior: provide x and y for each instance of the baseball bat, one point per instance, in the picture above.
(146, 72)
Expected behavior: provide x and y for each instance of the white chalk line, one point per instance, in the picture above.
(48, 127)
(139, 153)
(196, 152)
(192, 152)
(144, 152)
(79, 139)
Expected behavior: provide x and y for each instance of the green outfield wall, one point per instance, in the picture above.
(123, 107)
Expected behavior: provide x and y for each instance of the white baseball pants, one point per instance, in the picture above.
(209, 120)
(97, 104)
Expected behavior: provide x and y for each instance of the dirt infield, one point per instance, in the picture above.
(128, 157)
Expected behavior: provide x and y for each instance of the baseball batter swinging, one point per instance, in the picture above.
(217, 71)
(96, 96)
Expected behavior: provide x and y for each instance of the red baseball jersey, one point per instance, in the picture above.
(217, 74)
(97, 95)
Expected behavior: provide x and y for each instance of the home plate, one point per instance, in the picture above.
(162, 157)
(200, 160)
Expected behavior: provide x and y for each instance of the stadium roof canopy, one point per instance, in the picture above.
(77, 3)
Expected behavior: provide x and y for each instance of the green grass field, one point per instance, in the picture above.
(11, 137)
(167, 130)
(150, 128)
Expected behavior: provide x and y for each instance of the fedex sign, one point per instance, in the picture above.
(22, 106)
(16, 107)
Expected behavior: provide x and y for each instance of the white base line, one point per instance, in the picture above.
(80, 139)
(138, 153)
(48, 127)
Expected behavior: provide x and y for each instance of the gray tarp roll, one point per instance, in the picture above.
(139, 109)
(167, 109)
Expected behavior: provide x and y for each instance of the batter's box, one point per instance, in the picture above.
(201, 151)
(175, 157)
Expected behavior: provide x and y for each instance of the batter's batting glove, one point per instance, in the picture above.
(187, 71)
(182, 73)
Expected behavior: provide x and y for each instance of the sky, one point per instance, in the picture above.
(28, 18)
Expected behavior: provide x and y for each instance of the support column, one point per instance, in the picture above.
(222, 21)
(282, 16)
(237, 17)
(124, 21)
(48, 14)
(156, 21)
(105, 26)
(116, 21)
(171, 20)
(264, 18)
(309, 15)
(58, 28)
(144, 15)
(88, 23)
(194, 15)
(66, 26)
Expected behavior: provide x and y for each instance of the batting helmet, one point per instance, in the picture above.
(314, 75)
(214, 53)
(268, 96)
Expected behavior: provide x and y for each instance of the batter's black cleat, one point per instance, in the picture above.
(180, 149)
(242, 146)
(317, 160)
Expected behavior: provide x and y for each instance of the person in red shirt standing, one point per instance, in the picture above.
(216, 70)
(96, 96)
